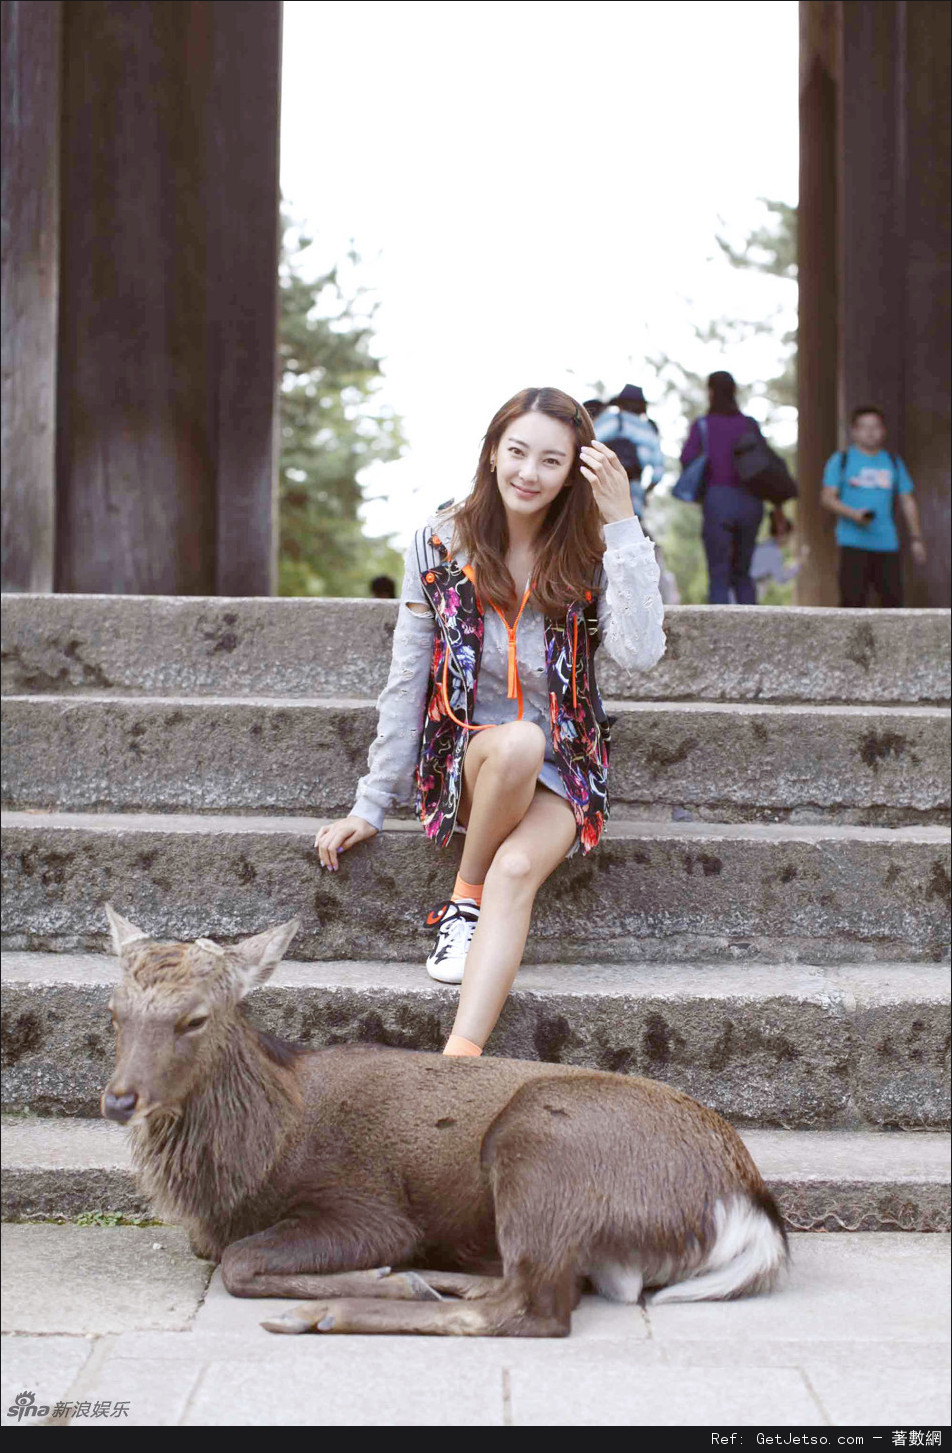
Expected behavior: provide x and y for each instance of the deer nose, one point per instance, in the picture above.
(118, 1107)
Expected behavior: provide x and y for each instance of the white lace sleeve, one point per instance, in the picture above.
(630, 612)
(401, 705)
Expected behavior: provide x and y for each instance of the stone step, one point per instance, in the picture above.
(884, 765)
(851, 1046)
(823, 1180)
(170, 646)
(650, 892)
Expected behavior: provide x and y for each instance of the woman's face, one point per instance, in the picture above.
(533, 461)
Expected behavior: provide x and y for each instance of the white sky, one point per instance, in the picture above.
(534, 189)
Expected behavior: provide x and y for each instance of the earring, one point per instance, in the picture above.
(492, 461)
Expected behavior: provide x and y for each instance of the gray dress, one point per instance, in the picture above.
(630, 615)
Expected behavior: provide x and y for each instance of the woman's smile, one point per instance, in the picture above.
(533, 462)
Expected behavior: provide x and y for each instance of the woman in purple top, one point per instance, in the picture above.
(732, 516)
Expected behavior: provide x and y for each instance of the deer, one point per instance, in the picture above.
(398, 1191)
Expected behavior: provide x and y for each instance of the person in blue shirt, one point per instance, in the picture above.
(623, 425)
(861, 487)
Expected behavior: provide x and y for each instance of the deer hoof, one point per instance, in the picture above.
(288, 1324)
(419, 1290)
(302, 1318)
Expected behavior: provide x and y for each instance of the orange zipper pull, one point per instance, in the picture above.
(511, 683)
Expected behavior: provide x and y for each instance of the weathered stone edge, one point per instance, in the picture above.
(64, 643)
(849, 1205)
(49, 1193)
(649, 892)
(808, 1059)
(220, 756)
(862, 1206)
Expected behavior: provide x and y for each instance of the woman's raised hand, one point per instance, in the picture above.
(608, 480)
(337, 837)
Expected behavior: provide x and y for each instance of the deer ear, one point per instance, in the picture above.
(258, 957)
(123, 932)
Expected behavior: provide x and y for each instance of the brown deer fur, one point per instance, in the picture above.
(309, 1173)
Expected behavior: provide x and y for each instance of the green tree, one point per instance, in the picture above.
(332, 426)
(771, 249)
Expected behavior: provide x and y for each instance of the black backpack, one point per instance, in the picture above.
(626, 451)
(762, 471)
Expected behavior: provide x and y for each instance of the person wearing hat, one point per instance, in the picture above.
(630, 434)
(625, 427)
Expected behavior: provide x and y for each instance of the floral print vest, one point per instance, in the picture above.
(580, 728)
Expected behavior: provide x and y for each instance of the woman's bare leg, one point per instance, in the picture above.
(520, 866)
(500, 771)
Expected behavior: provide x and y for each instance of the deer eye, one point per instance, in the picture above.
(191, 1026)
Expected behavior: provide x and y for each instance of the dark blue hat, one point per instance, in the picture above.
(630, 394)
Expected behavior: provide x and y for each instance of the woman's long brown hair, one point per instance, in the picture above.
(570, 543)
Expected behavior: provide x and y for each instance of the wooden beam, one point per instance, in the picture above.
(818, 343)
(927, 325)
(29, 166)
(166, 385)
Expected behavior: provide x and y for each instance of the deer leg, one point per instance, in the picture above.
(509, 1311)
(472, 1288)
(380, 1282)
(308, 1257)
(460, 1284)
(409, 1285)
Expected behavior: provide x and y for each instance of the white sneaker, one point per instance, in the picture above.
(457, 924)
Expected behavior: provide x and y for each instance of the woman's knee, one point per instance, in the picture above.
(513, 867)
(517, 749)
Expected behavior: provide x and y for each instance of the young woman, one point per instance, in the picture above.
(491, 703)
(732, 515)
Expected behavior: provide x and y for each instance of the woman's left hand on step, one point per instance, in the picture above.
(337, 837)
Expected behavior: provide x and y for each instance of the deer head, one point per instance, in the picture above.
(173, 1011)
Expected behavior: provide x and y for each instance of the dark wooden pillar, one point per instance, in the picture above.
(872, 300)
(168, 297)
(874, 274)
(30, 183)
(818, 382)
(243, 292)
(927, 404)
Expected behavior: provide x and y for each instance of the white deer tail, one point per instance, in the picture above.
(748, 1253)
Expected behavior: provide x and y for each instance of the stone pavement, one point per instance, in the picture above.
(110, 1315)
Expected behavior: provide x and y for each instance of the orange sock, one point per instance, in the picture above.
(457, 1045)
(462, 889)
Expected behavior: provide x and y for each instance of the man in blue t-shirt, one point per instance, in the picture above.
(861, 487)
